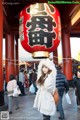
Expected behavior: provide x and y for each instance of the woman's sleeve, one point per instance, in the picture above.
(50, 84)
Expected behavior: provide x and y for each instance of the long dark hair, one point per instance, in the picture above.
(42, 78)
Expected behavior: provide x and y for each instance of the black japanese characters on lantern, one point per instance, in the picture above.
(41, 29)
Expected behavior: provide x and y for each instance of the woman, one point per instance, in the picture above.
(76, 84)
(46, 83)
(12, 84)
(34, 78)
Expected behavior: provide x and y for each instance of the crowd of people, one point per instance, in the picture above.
(46, 80)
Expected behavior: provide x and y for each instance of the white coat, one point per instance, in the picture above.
(10, 87)
(44, 100)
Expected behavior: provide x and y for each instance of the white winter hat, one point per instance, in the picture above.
(48, 64)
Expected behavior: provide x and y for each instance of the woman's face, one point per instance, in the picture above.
(78, 74)
(45, 69)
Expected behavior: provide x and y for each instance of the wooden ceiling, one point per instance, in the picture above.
(12, 8)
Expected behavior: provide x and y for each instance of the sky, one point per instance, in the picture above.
(26, 56)
(75, 47)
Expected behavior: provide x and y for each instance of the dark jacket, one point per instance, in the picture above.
(61, 82)
(34, 77)
(76, 84)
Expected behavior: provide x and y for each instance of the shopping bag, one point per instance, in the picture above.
(67, 98)
(32, 89)
(16, 92)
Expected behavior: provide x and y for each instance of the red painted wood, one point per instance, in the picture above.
(9, 55)
(17, 57)
(55, 57)
(1, 46)
(66, 50)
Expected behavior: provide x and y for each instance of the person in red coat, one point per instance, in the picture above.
(26, 79)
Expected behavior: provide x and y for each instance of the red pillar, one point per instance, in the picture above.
(17, 55)
(9, 55)
(66, 50)
(1, 56)
(55, 57)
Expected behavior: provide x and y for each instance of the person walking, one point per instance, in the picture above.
(62, 86)
(76, 85)
(30, 77)
(46, 84)
(34, 78)
(21, 81)
(11, 85)
(26, 79)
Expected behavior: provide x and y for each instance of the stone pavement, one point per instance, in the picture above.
(27, 112)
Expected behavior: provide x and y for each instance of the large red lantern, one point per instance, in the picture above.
(40, 29)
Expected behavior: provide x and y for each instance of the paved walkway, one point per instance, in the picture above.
(27, 112)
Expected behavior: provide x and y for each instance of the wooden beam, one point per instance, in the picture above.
(73, 20)
(6, 26)
(75, 17)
